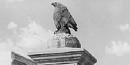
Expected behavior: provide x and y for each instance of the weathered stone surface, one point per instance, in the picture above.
(63, 40)
(20, 60)
(61, 56)
(16, 62)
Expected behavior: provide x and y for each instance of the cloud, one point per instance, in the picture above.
(5, 51)
(118, 48)
(33, 37)
(7, 45)
(5, 58)
(124, 27)
(14, 0)
(12, 25)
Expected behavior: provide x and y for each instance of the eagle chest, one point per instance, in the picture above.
(57, 14)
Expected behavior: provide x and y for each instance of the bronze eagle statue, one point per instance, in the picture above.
(63, 19)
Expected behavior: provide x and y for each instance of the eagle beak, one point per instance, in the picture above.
(52, 4)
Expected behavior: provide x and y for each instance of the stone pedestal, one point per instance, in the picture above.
(62, 40)
(63, 56)
(21, 60)
(63, 49)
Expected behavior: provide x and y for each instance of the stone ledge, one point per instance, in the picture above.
(63, 56)
(18, 59)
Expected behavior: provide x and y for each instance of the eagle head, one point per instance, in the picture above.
(57, 4)
(54, 4)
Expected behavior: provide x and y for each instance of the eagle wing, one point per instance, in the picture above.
(69, 19)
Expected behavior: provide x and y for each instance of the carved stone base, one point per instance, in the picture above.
(61, 40)
(63, 56)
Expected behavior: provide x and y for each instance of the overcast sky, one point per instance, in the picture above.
(103, 27)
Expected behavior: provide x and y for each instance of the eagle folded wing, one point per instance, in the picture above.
(69, 19)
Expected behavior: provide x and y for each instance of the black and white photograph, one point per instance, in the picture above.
(64, 32)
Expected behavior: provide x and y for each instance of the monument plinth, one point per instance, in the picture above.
(63, 49)
(61, 56)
